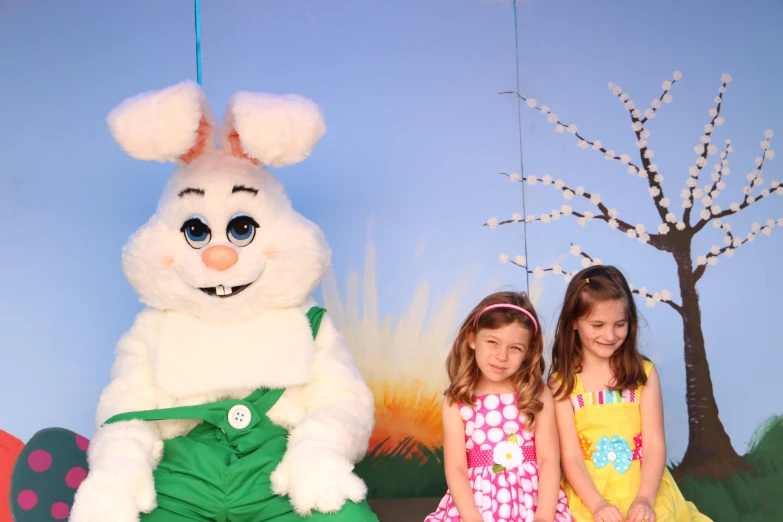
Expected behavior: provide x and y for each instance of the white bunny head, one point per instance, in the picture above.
(225, 243)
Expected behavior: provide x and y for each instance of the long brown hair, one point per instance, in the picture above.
(461, 363)
(593, 285)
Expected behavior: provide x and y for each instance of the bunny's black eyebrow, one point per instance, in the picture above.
(191, 190)
(242, 188)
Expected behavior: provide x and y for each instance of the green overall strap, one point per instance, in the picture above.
(215, 409)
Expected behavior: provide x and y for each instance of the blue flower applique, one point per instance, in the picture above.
(614, 451)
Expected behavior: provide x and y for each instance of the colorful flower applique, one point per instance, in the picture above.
(614, 451)
(507, 455)
(586, 445)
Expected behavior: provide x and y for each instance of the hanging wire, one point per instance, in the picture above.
(521, 166)
(198, 41)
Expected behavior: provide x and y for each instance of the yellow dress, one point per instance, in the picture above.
(609, 425)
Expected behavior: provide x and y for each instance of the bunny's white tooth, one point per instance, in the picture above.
(220, 290)
(227, 290)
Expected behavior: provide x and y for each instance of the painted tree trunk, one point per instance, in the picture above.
(709, 452)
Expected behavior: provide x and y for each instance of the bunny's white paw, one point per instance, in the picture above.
(317, 480)
(118, 495)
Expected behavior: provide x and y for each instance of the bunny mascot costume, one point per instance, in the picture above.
(233, 397)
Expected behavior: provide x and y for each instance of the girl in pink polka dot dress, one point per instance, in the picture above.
(501, 448)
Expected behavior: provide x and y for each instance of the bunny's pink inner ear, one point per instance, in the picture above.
(204, 132)
(236, 148)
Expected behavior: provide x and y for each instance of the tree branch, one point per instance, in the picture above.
(587, 260)
(609, 215)
(713, 211)
(705, 148)
(712, 257)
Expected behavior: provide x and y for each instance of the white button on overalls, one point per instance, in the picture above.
(239, 417)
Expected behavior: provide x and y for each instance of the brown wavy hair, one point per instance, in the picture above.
(461, 363)
(593, 285)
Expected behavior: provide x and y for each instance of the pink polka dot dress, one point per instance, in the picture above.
(501, 465)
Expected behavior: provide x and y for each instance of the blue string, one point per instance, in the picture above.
(521, 165)
(198, 42)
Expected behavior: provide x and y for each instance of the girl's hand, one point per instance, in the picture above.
(608, 513)
(641, 510)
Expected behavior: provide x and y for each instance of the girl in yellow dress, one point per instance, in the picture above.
(608, 405)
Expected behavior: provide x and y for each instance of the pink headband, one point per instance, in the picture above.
(504, 305)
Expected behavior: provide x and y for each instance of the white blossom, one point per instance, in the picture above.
(557, 269)
(729, 252)
(516, 216)
(686, 203)
(715, 176)
(721, 89)
(630, 233)
(532, 180)
(677, 75)
(780, 222)
(693, 170)
(547, 179)
(727, 240)
(530, 218)
(779, 191)
(624, 159)
(579, 190)
(597, 144)
(552, 117)
(712, 149)
(698, 149)
(717, 223)
(656, 103)
(667, 98)
(612, 224)
(642, 143)
(575, 250)
(702, 260)
(531, 102)
(701, 162)
(545, 218)
(642, 174)
(520, 260)
(658, 178)
(704, 214)
(514, 177)
(653, 167)
(609, 155)
(582, 144)
(649, 153)
(680, 225)
(712, 261)
(612, 212)
(755, 227)
(589, 215)
(624, 96)
(764, 144)
(582, 222)
(597, 261)
(492, 222)
(663, 229)
(671, 218)
(650, 302)
(691, 182)
(572, 129)
(706, 201)
(503, 258)
(768, 134)
(585, 262)
(666, 85)
(644, 238)
(560, 128)
(713, 112)
(629, 105)
(654, 191)
(664, 202)
(765, 192)
(721, 185)
(538, 272)
(726, 227)
(715, 250)
(774, 183)
(685, 193)
(636, 126)
(704, 139)
(719, 121)
(697, 193)
(595, 199)
(640, 228)
(766, 231)
(555, 215)
(631, 170)
(769, 154)
(636, 113)
(736, 242)
(545, 109)
(726, 78)
(649, 114)
(567, 278)
(717, 99)
(566, 210)
(734, 207)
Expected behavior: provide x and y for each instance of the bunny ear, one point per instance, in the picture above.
(271, 129)
(174, 124)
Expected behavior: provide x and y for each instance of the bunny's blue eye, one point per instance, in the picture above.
(196, 231)
(241, 230)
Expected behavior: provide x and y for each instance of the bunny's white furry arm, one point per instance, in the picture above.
(339, 407)
(338, 417)
(132, 388)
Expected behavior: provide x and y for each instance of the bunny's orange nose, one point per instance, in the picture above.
(220, 257)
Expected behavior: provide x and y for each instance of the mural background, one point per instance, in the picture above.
(403, 184)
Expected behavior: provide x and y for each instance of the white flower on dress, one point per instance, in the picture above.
(507, 454)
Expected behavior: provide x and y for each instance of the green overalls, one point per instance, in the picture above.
(220, 471)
